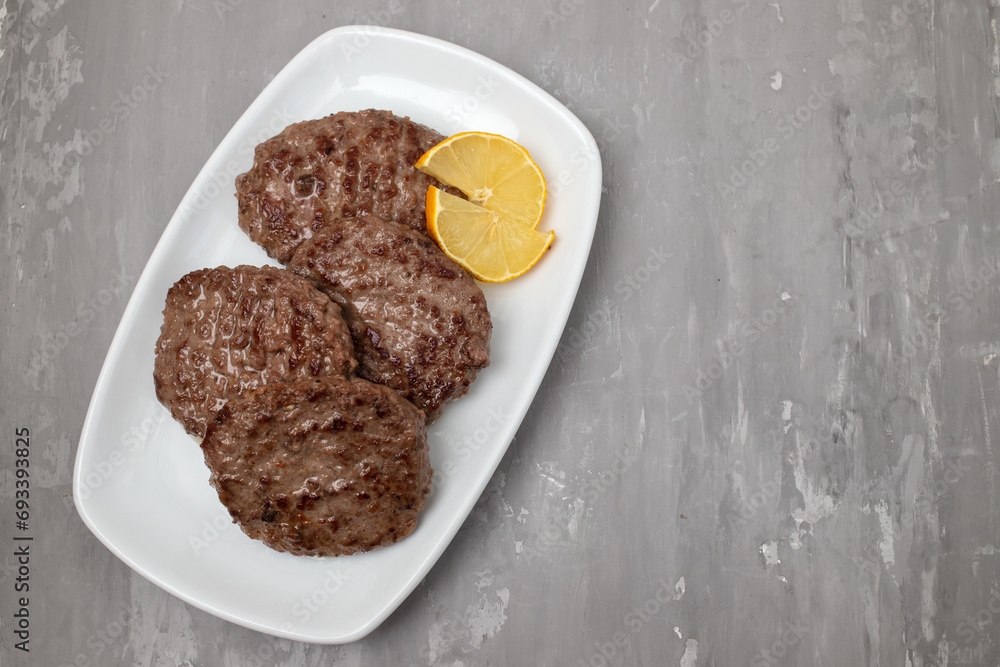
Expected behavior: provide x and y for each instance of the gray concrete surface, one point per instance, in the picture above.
(783, 430)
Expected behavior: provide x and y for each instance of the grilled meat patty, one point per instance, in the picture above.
(356, 163)
(321, 468)
(419, 321)
(226, 331)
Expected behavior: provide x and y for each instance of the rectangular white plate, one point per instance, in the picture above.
(140, 482)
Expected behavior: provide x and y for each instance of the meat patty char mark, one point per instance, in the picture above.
(356, 163)
(419, 321)
(226, 331)
(321, 468)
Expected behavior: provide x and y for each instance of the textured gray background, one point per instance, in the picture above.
(784, 428)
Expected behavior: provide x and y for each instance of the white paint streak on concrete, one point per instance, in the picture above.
(55, 468)
(553, 476)
(642, 430)
(742, 425)
(680, 588)
(690, 657)
(48, 82)
(776, 80)
(991, 468)
(160, 629)
(928, 607)
(804, 350)
(769, 550)
(508, 511)
(3, 15)
(487, 617)
(777, 8)
(909, 477)
(885, 545)
(995, 58)
(49, 236)
(439, 640)
(677, 631)
(485, 579)
(72, 187)
(816, 505)
(694, 337)
(573, 527)
(944, 653)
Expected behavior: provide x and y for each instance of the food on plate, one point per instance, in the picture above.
(356, 163)
(321, 467)
(491, 246)
(491, 170)
(261, 362)
(419, 321)
(227, 331)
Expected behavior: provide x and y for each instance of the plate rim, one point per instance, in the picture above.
(165, 242)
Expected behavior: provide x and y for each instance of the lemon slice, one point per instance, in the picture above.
(491, 246)
(492, 171)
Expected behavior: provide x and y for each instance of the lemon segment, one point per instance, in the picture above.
(492, 171)
(491, 246)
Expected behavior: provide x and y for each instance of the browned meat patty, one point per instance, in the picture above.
(356, 163)
(419, 321)
(321, 468)
(226, 331)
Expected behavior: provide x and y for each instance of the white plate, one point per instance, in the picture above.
(140, 483)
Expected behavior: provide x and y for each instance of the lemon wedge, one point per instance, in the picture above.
(491, 246)
(491, 170)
